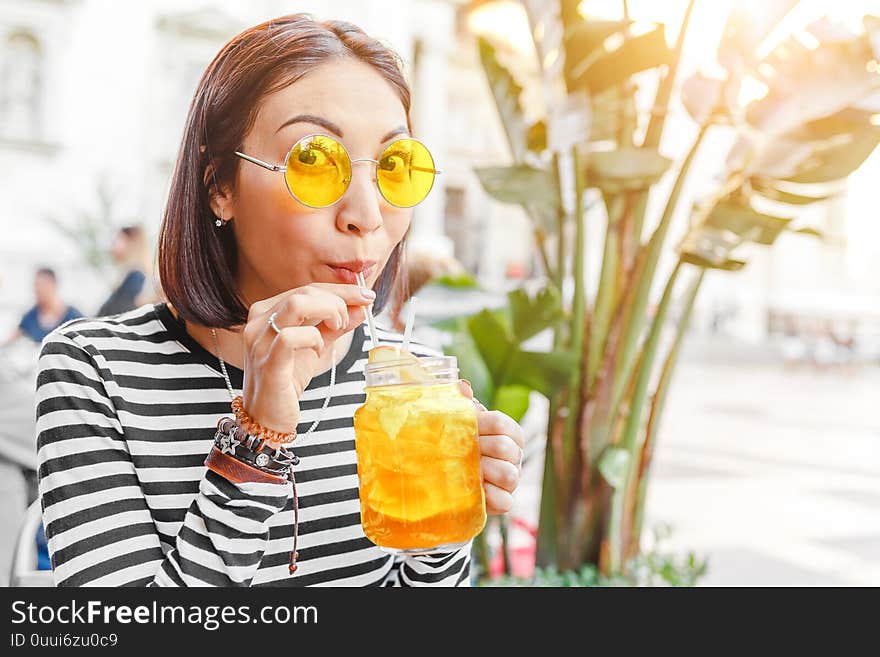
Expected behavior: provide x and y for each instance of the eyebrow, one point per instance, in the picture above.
(332, 127)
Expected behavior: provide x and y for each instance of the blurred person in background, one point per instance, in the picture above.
(131, 253)
(49, 312)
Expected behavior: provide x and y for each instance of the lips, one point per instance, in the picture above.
(346, 272)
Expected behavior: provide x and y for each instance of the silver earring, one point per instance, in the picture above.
(218, 223)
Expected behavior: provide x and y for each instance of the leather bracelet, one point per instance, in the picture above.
(238, 471)
(231, 438)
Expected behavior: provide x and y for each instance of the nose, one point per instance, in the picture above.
(359, 211)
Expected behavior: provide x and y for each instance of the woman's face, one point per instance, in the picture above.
(284, 244)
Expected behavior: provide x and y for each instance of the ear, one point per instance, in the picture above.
(220, 197)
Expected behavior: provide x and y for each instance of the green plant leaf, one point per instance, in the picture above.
(809, 84)
(608, 66)
(545, 372)
(520, 184)
(462, 281)
(811, 232)
(506, 91)
(531, 315)
(513, 400)
(766, 188)
(729, 264)
(607, 110)
(626, 168)
(471, 365)
(613, 465)
(746, 222)
(583, 40)
(840, 160)
(492, 339)
(845, 122)
(450, 324)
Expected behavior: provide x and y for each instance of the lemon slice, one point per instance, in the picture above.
(386, 353)
(409, 368)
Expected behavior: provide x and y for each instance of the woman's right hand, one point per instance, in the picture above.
(279, 366)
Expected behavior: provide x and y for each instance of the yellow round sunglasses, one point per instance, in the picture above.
(317, 171)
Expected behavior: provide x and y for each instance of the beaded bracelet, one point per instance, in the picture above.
(255, 428)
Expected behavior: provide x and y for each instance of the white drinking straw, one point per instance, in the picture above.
(370, 322)
(410, 320)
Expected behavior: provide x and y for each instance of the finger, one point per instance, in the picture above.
(309, 309)
(294, 311)
(498, 501)
(497, 423)
(356, 317)
(353, 295)
(281, 357)
(503, 474)
(501, 447)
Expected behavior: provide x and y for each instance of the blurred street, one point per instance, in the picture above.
(771, 473)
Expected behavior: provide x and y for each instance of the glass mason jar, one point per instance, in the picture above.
(418, 457)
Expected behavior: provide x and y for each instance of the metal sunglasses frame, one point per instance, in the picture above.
(282, 168)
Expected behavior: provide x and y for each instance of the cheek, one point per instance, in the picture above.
(397, 222)
(270, 225)
(262, 201)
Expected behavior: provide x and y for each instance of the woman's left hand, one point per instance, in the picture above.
(501, 450)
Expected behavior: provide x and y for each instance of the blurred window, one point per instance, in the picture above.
(459, 229)
(20, 85)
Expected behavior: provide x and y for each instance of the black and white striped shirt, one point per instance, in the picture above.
(127, 408)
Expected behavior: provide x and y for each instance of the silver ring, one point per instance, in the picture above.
(522, 454)
(273, 324)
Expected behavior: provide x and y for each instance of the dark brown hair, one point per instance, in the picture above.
(197, 261)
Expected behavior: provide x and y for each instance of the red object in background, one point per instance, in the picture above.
(522, 556)
(516, 269)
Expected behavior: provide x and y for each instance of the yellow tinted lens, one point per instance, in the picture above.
(318, 171)
(405, 173)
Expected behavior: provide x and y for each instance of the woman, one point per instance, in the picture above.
(262, 303)
(130, 252)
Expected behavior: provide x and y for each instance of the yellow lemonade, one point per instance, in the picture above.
(419, 464)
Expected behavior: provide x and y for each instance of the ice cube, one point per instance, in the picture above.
(392, 419)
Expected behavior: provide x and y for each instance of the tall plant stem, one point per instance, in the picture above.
(552, 530)
(634, 318)
(658, 403)
(578, 313)
(540, 243)
(657, 122)
(633, 421)
(606, 292)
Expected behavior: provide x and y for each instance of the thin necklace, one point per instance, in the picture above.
(326, 399)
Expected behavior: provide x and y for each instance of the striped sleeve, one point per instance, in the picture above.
(441, 568)
(99, 527)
